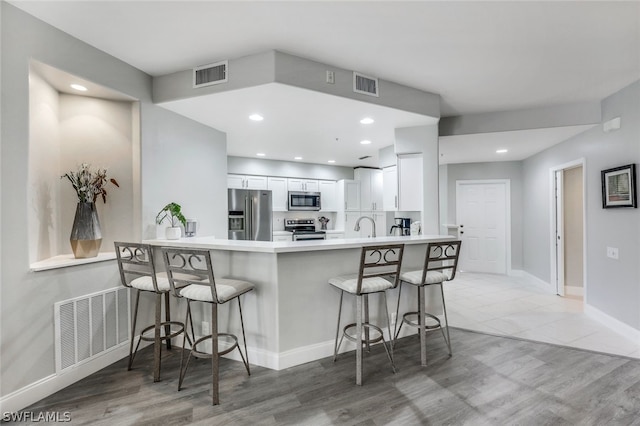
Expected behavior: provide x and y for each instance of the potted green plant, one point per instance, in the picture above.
(173, 213)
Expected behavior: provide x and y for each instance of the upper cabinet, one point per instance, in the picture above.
(371, 198)
(246, 182)
(390, 188)
(348, 195)
(328, 195)
(278, 187)
(307, 185)
(410, 186)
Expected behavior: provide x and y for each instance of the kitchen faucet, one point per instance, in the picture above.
(373, 225)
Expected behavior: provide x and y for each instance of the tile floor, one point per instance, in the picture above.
(511, 306)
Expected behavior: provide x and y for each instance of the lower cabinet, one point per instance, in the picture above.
(335, 236)
(282, 238)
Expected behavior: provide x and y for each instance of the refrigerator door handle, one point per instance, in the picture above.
(248, 218)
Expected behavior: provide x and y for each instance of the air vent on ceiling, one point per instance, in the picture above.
(206, 75)
(365, 84)
(365, 157)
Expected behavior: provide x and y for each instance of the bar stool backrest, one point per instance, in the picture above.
(183, 265)
(380, 261)
(135, 260)
(442, 257)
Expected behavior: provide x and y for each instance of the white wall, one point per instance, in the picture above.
(613, 286)
(183, 162)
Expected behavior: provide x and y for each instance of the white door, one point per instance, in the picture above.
(390, 188)
(559, 230)
(481, 213)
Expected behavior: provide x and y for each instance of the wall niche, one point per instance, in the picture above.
(68, 127)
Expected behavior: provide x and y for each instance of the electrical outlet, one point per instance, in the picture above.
(331, 77)
(205, 328)
(393, 318)
(612, 252)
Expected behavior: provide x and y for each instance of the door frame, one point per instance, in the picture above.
(507, 205)
(580, 162)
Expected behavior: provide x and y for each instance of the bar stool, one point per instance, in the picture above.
(180, 262)
(377, 263)
(137, 270)
(440, 264)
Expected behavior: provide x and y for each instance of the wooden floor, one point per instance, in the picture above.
(489, 381)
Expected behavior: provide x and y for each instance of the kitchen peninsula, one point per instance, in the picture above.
(291, 317)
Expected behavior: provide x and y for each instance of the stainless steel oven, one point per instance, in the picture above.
(309, 201)
(303, 230)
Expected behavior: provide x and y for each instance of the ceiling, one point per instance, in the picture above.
(479, 56)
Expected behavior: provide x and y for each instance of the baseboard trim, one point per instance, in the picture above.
(34, 392)
(574, 291)
(617, 326)
(533, 280)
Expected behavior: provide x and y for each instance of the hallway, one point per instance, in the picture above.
(510, 306)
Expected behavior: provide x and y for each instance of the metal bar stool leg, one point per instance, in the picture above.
(396, 330)
(366, 321)
(156, 339)
(133, 331)
(167, 318)
(391, 340)
(337, 346)
(422, 326)
(446, 321)
(359, 340)
(184, 342)
(244, 338)
(215, 359)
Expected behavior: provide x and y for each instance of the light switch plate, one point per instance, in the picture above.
(612, 252)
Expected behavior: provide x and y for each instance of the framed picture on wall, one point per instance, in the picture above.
(619, 187)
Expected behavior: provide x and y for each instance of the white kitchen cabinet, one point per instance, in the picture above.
(328, 194)
(305, 185)
(279, 199)
(348, 195)
(380, 219)
(282, 238)
(410, 186)
(370, 188)
(350, 219)
(390, 189)
(246, 182)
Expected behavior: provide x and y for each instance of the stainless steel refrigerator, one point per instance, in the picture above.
(250, 214)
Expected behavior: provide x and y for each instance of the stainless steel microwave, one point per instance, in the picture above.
(304, 201)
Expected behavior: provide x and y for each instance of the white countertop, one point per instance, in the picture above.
(212, 243)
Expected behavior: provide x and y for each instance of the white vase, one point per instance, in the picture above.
(173, 233)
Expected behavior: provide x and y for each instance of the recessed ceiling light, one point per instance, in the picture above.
(79, 87)
(366, 120)
(297, 158)
(365, 142)
(261, 154)
(256, 117)
(502, 151)
(331, 161)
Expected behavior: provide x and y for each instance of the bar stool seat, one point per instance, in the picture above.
(226, 290)
(349, 283)
(146, 283)
(440, 265)
(379, 271)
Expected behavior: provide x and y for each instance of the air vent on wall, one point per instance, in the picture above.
(206, 75)
(365, 84)
(365, 157)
